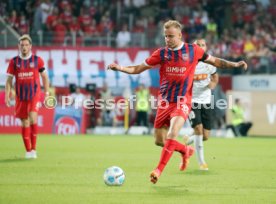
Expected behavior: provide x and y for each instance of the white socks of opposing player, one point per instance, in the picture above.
(198, 140)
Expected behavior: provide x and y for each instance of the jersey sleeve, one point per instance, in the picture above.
(200, 54)
(154, 59)
(11, 70)
(213, 69)
(41, 67)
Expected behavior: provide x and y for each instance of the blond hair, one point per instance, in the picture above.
(173, 23)
(25, 37)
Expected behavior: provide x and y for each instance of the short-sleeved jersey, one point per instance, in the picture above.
(26, 73)
(177, 68)
(202, 77)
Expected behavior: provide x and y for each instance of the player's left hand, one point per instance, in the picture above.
(242, 64)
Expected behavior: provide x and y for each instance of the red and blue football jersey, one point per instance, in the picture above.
(177, 67)
(26, 73)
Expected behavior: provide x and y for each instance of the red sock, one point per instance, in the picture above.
(33, 135)
(166, 154)
(181, 148)
(26, 138)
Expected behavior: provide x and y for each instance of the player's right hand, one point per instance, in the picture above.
(114, 67)
(242, 64)
(7, 101)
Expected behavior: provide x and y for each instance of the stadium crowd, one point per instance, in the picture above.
(231, 28)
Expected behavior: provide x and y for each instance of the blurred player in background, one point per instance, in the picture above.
(26, 69)
(205, 79)
(177, 63)
(239, 125)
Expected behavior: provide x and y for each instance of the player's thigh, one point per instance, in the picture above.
(195, 116)
(21, 109)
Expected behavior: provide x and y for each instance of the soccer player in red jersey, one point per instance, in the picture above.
(177, 62)
(26, 69)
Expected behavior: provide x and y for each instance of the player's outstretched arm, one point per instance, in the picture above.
(224, 64)
(214, 81)
(45, 82)
(8, 90)
(135, 69)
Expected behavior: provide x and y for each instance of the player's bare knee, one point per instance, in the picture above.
(25, 122)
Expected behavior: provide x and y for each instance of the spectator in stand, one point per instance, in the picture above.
(150, 30)
(75, 30)
(46, 9)
(76, 7)
(59, 32)
(106, 114)
(66, 16)
(50, 24)
(123, 37)
(84, 19)
(106, 25)
(179, 9)
(23, 25)
(90, 31)
(62, 4)
(37, 22)
(138, 33)
(77, 98)
(3, 9)
(261, 58)
(248, 46)
(212, 29)
(13, 20)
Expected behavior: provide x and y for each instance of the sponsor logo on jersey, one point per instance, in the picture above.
(25, 74)
(200, 76)
(176, 69)
(185, 57)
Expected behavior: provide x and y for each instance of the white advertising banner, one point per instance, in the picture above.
(254, 83)
(260, 109)
(88, 65)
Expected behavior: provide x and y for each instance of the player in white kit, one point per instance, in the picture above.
(205, 79)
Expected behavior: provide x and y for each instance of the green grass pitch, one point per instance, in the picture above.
(69, 169)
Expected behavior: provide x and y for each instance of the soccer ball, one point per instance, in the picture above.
(114, 176)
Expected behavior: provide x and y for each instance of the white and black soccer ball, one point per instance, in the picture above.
(114, 176)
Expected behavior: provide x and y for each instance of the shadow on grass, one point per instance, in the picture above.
(172, 190)
(16, 159)
(199, 172)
